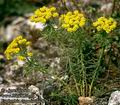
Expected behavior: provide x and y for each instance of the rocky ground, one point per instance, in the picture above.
(11, 74)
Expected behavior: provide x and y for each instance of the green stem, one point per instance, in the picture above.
(96, 70)
(113, 7)
(83, 72)
(28, 60)
(63, 2)
(76, 85)
(64, 83)
(83, 69)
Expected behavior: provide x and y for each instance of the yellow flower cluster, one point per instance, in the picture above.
(43, 14)
(18, 47)
(105, 24)
(72, 20)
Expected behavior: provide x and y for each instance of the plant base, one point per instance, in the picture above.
(85, 100)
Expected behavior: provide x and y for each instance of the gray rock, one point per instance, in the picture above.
(41, 44)
(106, 8)
(101, 101)
(34, 25)
(1, 80)
(34, 89)
(114, 98)
(36, 93)
(12, 73)
(22, 95)
(13, 29)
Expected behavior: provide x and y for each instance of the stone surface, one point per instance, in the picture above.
(37, 93)
(114, 98)
(34, 25)
(101, 101)
(21, 95)
(1, 80)
(106, 8)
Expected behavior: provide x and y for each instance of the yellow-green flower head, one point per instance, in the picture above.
(106, 24)
(17, 47)
(72, 20)
(44, 14)
(21, 58)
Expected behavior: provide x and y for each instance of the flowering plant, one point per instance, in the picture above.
(18, 48)
(44, 14)
(72, 20)
(82, 62)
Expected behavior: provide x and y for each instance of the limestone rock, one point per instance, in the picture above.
(36, 93)
(114, 98)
